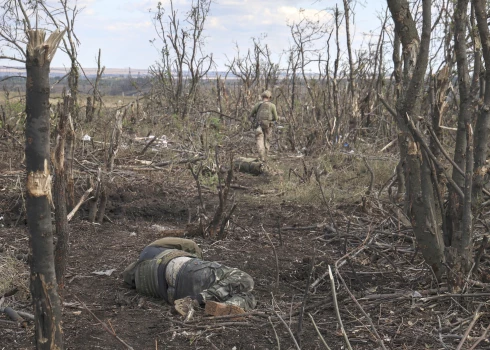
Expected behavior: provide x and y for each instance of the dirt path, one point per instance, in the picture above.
(147, 323)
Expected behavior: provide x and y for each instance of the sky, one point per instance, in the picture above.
(123, 28)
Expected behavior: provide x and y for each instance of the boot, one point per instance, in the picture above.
(184, 305)
(215, 308)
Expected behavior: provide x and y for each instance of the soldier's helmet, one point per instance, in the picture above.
(266, 94)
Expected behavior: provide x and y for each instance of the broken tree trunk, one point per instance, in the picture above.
(44, 290)
(60, 214)
(420, 203)
(113, 149)
(69, 154)
(483, 121)
(249, 165)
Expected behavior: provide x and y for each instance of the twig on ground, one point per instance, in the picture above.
(483, 336)
(440, 296)
(480, 252)
(279, 230)
(276, 257)
(337, 312)
(284, 322)
(275, 333)
(307, 228)
(318, 332)
(211, 343)
(440, 333)
(339, 264)
(476, 316)
(148, 145)
(289, 330)
(184, 161)
(305, 297)
(370, 188)
(104, 325)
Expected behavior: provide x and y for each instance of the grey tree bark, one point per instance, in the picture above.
(44, 291)
(420, 197)
(483, 120)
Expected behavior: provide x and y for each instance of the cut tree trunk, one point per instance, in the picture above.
(44, 290)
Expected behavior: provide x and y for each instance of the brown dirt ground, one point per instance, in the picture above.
(169, 198)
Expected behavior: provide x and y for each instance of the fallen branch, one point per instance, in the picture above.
(318, 332)
(20, 313)
(339, 265)
(305, 297)
(9, 293)
(337, 312)
(148, 145)
(80, 202)
(470, 327)
(306, 228)
(104, 325)
(474, 295)
(371, 172)
(275, 333)
(289, 330)
(276, 257)
(366, 315)
(184, 161)
(483, 337)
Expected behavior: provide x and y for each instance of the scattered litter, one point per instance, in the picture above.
(132, 234)
(160, 227)
(104, 273)
(160, 142)
(77, 313)
(86, 138)
(416, 294)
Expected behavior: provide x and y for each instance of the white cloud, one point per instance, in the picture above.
(108, 23)
(125, 26)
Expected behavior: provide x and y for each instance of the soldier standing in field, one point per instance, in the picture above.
(263, 115)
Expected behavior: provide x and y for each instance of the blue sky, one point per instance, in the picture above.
(123, 29)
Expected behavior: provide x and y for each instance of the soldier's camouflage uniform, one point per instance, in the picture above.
(204, 280)
(263, 113)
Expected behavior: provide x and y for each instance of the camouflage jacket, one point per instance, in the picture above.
(147, 274)
(264, 110)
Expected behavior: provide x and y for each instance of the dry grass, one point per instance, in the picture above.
(343, 177)
(13, 274)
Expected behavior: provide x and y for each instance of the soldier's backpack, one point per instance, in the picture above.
(264, 112)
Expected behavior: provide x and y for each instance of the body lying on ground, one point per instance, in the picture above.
(172, 269)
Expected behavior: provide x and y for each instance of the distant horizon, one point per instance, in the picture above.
(124, 30)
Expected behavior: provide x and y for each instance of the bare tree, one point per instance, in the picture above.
(60, 184)
(352, 83)
(483, 121)
(96, 97)
(44, 289)
(420, 198)
(183, 61)
(66, 19)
